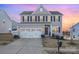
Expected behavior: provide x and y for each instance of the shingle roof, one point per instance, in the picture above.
(75, 25)
(26, 12)
(55, 13)
(30, 12)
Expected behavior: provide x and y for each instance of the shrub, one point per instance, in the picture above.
(62, 38)
(16, 36)
(42, 36)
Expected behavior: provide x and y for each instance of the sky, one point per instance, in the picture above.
(70, 12)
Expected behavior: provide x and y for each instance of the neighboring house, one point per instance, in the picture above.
(35, 23)
(74, 32)
(7, 25)
(5, 22)
(14, 27)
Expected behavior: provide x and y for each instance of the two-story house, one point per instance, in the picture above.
(5, 22)
(74, 32)
(35, 23)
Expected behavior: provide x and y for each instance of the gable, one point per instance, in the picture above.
(76, 26)
(5, 22)
(41, 11)
(4, 16)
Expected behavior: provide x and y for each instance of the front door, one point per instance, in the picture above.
(46, 30)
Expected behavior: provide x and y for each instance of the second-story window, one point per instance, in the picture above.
(43, 18)
(23, 18)
(54, 18)
(46, 19)
(59, 18)
(30, 18)
(38, 18)
(51, 18)
(35, 18)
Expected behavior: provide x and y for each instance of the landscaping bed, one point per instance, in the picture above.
(52, 43)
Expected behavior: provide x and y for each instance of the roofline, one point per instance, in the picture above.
(43, 14)
(8, 16)
(74, 25)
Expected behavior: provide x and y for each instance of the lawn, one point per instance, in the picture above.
(52, 43)
(51, 46)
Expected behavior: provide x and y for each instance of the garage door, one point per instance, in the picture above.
(31, 33)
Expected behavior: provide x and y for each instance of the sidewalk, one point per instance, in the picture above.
(64, 50)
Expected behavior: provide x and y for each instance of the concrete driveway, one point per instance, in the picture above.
(23, 46)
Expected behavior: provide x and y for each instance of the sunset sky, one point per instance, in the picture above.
(70, 11)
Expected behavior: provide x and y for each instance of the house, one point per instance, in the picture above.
(5, 22)
(14, 28)
(35, 23)
(74, 32)
(5, 27)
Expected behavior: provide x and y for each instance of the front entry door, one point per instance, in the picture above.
(46, 30)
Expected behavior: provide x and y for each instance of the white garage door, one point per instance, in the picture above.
(31, 33)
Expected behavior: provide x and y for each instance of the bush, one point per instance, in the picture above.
(16, 36)
(53, 35)
(42, 36)
(62, 38)
(57, 37)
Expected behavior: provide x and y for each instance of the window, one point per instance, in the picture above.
(31, 18)
(35, 18)
(41, 9)
(54, 18)
(73, 36)
(23, 18)
(73, 30)
(59, 30)
(46, 19)
(56, 28)
(51, 18)
(38, 18)
(43, 18)
(3, 21)
(59, 18)
(28, 18)
(14, 29)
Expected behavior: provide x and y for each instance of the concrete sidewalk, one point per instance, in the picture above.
(23, 46)
(63, 50)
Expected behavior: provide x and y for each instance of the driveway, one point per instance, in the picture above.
(23, 46)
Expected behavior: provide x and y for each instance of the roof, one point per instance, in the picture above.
(55, 12)
(26, 12)
(5, 13)
(75, 25)
(30, 12)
